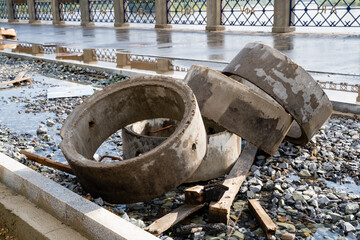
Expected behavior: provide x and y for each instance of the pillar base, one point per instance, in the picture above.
(283, 29)
(89, 24)
(35, 22)
(215, 28)
(58, 22)
(120, 25)
(13, 21)
(163, 26)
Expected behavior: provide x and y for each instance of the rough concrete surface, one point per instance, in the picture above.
(153, 173)
(223, 147)
(91, 220)
(287, 82)
(237, 108)
(27, 221)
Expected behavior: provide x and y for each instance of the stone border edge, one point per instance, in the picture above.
(89, 219)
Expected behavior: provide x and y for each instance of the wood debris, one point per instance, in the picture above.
(18, 79)
(7, 34)
(220, 211)
(47, 162)
(262, 217)
(172, 218)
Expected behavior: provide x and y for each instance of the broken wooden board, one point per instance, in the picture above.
(220, 211)
(7, 46)
(74, 91)
(262, 217)
(172, 218)
(194, 195)
(7, 32)
(18, 79)
(47, 162)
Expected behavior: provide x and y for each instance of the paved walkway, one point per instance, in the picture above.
(337, 53)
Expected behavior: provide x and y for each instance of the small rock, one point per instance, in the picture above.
(41, 130)
(50, 123)
(304, 173)
(99, 201)
(352, 208)
(288, 236)
(348, 227)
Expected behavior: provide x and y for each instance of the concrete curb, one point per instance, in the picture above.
(89, 219)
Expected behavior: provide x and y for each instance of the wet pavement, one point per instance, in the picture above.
(334, 53)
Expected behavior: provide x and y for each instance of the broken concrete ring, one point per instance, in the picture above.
(238, 109)
(118, 105)
(223, 147)
(288, 83)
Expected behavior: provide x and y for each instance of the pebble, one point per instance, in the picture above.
(352, 208)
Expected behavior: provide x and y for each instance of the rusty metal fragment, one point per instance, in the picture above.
(237, 108)
(288, 83)
(118, 105)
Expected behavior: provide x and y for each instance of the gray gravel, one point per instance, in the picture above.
(311, 192)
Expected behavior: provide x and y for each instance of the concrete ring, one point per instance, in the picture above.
(238, 109)
(223, 147)
(118, 105)
(288, 83)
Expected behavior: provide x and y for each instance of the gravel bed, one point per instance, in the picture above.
(311, 192)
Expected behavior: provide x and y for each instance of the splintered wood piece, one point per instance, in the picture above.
(262, 217)
(172, 218)
(8, 32)
(47, 162)
(194, 195)
(219, 211)
(19, 78)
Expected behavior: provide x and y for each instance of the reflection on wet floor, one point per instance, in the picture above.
(336, 85)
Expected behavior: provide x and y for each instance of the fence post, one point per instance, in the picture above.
(56, 12)
(213, 11)
(282, 14)
(85, 13)
(10, 9)
(31, 9)
(161, 14)
(119, 14)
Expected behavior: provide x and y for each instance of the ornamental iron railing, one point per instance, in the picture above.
(247, 12)
(21, 11)
(106, 54)
(43, 10)
(139, 11)
(69, 11)
(101, 11)
(326, 13)
(3, 10)
(187, 12)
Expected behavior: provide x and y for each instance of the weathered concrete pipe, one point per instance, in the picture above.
(118, 105)
(288, 83)
(223, 147)
(238, 109)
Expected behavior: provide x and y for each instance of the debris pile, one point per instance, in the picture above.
(7, 34)
(261, 96)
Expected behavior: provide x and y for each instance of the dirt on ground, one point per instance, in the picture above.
(5, 233)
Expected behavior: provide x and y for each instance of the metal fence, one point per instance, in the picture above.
(69, 11)
(21, 11)
(247, 13)
(326, 13)
(101, 11)
(43, 10)
(3, 10)
(187, 12)
(139, 11)
(339, 86)
(106, 54)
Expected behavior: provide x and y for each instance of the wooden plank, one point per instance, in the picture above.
(262, 217)
(47, 162)
(19, 78)
(220, 211)
(172, 218)
(8, 32)
(194, 195)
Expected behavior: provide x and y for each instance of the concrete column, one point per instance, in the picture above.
(358, 97)
(161, 14)
(282, 16)
(214, 16)
(119, 14)
(31, 9)
(56, 12)
(85, 14)
(89, 56)
(10, 9)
